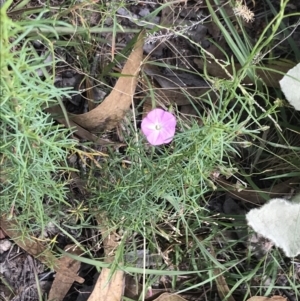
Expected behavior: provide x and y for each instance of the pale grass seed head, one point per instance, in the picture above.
(243, 11)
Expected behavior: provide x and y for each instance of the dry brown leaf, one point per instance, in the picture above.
(2, 234)
(274, 298)
(117, 103)
(110, 238)
(222, 287)
(64, 279)
(82, 133)
(256, 197)
(270, 78)
(109, 286)
(171, 93)
(30, 245)
(133, 289)
(259, 299)
(35, 248)
(169, 297)
(89, 94)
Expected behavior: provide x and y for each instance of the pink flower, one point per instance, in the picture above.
(159, 127)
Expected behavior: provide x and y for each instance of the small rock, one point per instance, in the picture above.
(5, 245)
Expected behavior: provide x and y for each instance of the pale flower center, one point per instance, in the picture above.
(158, 127)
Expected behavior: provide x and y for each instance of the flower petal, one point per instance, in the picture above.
(156, 115)
(147, 126)
(169, 120)
(167, 134)
(155, 138)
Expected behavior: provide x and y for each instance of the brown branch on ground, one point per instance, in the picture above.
(261, 196)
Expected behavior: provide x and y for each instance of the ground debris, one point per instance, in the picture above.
(20, 276)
